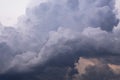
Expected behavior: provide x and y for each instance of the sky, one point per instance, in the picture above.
(10, 10)
(59, 40)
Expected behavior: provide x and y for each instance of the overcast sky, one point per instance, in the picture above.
(10, 10)
(57, 39)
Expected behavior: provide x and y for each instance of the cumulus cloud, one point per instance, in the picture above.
(51, 37)
(96, 68)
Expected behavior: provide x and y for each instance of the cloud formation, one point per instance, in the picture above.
(96, 68)
(51, 37)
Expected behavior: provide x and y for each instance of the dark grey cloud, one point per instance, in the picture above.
(5, 58)
(98, 14)
(51, 37)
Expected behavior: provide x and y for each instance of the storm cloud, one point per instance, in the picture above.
(48, 40)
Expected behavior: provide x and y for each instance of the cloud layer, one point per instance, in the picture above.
(53, 35)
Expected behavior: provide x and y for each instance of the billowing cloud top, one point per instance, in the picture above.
(53, 34)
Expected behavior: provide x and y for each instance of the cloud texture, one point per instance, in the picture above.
(53, 34)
